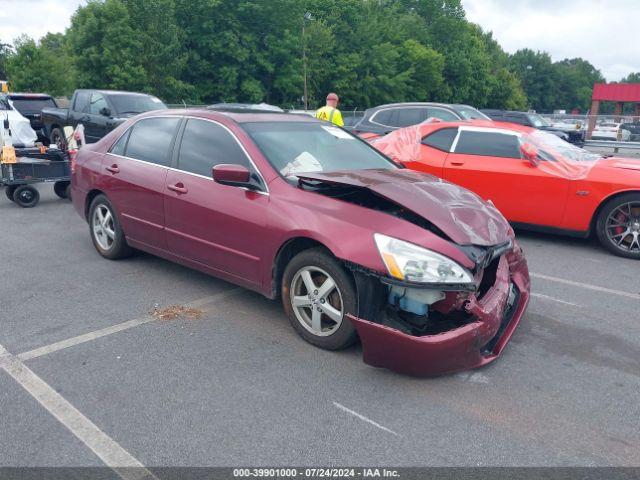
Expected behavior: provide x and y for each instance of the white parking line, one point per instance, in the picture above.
(595, 288)
(87, 337)
(362, 417)
(110, 452)
(547, 297)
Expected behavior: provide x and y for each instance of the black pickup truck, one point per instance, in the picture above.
(100, 111)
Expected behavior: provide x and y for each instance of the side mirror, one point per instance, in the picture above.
(232, 175)
(106, 112)
(530, 152)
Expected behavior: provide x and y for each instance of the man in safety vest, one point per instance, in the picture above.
(330, 112)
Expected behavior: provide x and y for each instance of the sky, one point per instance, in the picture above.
(600, 31)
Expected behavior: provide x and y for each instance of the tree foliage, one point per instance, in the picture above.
(368, 51)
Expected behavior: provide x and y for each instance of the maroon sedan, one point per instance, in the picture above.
(425, 273)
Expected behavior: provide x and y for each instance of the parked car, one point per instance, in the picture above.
(383, 119)
(535, 179)
(567, 133)
(30, 105)
(428, 275)
(100, 111)
(634, 130)
(610, 131)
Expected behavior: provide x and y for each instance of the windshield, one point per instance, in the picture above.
(32, 105)
(308, 147)
(133, 104)
(537, 121)
(551, 147)
(470, 113)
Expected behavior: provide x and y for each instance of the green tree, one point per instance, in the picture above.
(631, 78)
(5, 51)
(105, 48)
(41, 67)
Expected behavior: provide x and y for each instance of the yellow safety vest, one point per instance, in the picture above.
(330, 114)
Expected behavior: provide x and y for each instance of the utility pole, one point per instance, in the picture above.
(309, 17)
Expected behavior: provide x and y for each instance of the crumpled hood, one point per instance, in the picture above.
(463, 216)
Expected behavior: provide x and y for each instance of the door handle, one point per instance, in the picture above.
(113, 168)
(457, 164)
(178, 188)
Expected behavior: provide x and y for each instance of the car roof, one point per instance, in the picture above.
(419, 104)
(247, 116)
(28, 95)
(489, 111)
(484, 124)
(113, 92)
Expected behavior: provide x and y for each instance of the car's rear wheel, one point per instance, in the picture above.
(106, 233)
(317, 294)
(618, 225)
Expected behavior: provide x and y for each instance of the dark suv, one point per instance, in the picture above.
(387, 118)
(533, 120)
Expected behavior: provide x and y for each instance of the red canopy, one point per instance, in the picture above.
(616, 92)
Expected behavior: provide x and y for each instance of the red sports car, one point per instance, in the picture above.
(535, 179)
(425, 272)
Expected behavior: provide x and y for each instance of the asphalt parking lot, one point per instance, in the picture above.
(238, 387)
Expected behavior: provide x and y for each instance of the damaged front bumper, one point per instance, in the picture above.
(493, 316)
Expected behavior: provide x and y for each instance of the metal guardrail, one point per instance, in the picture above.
(612, 144)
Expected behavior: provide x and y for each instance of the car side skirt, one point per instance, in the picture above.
(552, 230)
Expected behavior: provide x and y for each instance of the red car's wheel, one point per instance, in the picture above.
(106, 233)
(317, 294)
(618, 225)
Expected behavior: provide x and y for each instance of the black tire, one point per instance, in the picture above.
(118, 248)
(61, 189)
(345, 334)
(26, 196)
(628, 248)
(57, 138)
(8, 191)
(67, 191)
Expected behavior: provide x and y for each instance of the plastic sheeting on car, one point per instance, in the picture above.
(554, 155)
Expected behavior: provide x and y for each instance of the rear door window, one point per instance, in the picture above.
(409, 116)
(442, 114)
(150, 140)
(441, 139)
(385, 117)
(488, 144)
(118, 148)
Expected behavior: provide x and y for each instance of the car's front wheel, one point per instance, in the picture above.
(106, 233)
(317, 294)
(618, 225)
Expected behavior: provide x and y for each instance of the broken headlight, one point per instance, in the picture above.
(411, 263)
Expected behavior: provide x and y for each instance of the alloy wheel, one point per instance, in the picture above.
(103, 227)
(316, 301)
(623, 227)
